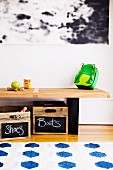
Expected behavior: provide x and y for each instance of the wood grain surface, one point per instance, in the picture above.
(87, 133)
(54, 93)
(71, 93)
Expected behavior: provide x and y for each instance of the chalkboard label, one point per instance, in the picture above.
(50, 124)
(12, 130)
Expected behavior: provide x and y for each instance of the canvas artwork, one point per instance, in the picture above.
(56, 156)
(54, 21)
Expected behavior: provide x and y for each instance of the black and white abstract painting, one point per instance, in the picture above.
(54, 21)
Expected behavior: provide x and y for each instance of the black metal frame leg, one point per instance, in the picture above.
(73, 115)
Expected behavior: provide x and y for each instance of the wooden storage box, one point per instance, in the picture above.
(50, 117)
(14, 125)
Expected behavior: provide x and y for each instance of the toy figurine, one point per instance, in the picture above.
(87, 77)
(27, 83)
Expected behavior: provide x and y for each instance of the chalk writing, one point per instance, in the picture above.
(54, 123)
(10, 129)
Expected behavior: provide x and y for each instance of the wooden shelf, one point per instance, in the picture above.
(54, 93)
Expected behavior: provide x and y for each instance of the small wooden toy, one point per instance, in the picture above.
(15, 89)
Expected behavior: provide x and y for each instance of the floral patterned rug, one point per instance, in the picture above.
(56, 156)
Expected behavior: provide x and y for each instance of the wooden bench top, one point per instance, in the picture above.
(54, 93)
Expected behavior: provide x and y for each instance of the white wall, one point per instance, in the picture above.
(57, 65)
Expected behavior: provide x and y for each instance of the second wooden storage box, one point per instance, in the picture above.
(50, 117)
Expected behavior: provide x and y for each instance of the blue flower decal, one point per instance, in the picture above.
(4, 145)
(2, 153)
(64, 154)
(30, 154)
(62, 145)
(92, 145)
(103, 164)
(97, 154)
(29, 164)
(66, 164)
(32, 145)
(1, 164)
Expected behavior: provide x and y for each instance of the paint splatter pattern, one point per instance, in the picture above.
(54, 21)
(57, 156)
